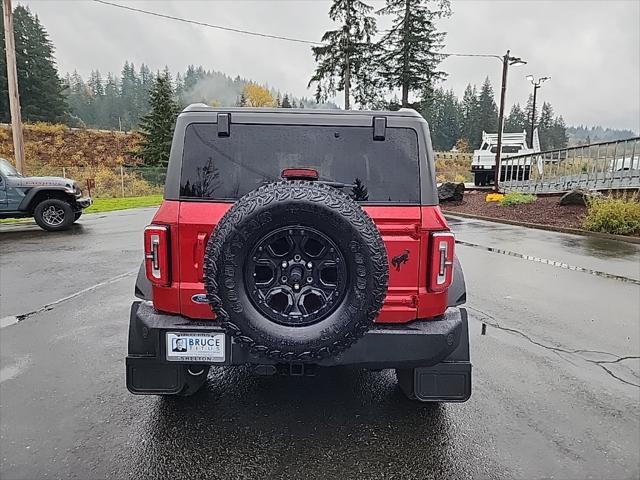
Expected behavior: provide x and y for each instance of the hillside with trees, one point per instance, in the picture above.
(369, 67)
(460, 123)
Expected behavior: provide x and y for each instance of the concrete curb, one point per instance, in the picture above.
(550, 228)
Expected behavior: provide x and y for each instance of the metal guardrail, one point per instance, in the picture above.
(599, 166)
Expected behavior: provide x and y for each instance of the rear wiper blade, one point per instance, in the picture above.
(335, 184)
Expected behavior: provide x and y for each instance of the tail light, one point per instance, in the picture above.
(156, 254)
(441, 261)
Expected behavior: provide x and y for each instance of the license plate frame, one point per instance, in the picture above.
(206, 347)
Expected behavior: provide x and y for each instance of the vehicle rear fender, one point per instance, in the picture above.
(143, 285)
(457, 293)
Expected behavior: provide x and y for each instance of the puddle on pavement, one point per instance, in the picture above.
(601, 248)
(553, 263)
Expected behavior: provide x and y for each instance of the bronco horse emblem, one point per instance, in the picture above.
(398, 260)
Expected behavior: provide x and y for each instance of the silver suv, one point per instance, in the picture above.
(54, 202)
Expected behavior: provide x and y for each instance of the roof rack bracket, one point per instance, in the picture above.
(379, 128)
(224, 124)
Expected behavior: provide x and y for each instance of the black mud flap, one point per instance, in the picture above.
(445, 382)
(147, 376)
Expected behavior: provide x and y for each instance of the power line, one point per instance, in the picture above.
(256, 34)
(209, 25)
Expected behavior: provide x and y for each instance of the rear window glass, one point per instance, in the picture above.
(226, 168)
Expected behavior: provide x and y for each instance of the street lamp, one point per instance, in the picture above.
(536, 86)
(507, 60)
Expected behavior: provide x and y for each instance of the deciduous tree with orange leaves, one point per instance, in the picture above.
(256, 96)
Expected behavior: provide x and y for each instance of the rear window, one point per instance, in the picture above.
(226, 168)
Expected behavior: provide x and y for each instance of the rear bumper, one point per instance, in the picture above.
(414, 347)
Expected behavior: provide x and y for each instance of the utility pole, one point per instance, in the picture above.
(12, 80)
(506, 61)
(536, 86)
(503, 93)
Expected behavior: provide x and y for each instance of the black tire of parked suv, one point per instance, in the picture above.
(285, 206)
(54, 215)
(76, 216)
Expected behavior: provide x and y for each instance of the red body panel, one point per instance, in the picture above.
(405, 231)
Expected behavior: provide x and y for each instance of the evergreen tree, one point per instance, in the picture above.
(469, 108)
(559, 133)
(545, 127)
(343, 62)
(487, 109)
(78, 96)
(95, 84)
(143, 87)
(443, 113)
(359, 191)
(129, 87)
(516, 121)
(285, 101)
(40, 87)
(77, 100)
(528, 112)
(410, 57)
(157, 126)
(110, 105)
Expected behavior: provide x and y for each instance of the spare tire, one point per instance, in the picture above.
(296, 271)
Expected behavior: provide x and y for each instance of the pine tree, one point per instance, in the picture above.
(285, 101)
(40, 87)
(157, 125)
(545, 127)
(142, 89)
(528, 112)
(516, 121)
(129, 87)
(410, 57)
(359, 191)
(487, 109)
(443, 113)
(559, 133)
(95, 84)
(111, 103)
(343, 61)
(469, 108)
(77, 100)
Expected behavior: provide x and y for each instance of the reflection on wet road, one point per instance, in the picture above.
(554, 376)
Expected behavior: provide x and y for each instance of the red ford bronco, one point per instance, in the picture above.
(291, 240)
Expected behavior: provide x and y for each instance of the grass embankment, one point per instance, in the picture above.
(111, 204)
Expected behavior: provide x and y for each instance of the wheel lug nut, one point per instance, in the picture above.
(309, 265)
(309, 279)
(284, 264)
(297, 258)
(296, 286)
(283, 279)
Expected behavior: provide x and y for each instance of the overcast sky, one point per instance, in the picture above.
(591, 49)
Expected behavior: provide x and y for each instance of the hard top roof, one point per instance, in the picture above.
(203, 108)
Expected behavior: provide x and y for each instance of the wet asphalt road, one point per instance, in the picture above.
(555, 394)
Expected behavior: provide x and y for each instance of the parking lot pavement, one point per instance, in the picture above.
(554, 392)
(38, 267)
